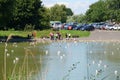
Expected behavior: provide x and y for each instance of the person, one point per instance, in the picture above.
(56, 36)
(34, 34)
(66, 35)
(69, 35)
(51, 35)
(28, 36)
(59, 36)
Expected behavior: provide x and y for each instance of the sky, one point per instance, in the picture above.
(77, 6)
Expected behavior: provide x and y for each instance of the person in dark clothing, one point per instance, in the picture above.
(59, 35)
(66, 35)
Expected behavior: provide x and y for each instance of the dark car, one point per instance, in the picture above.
(87, 28)
(100, 25)
(78, 27)
(69, 26)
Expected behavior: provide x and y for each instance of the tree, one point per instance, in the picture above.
(27, 12)
(60, 13)
(19, 13)
(6, 12)
(44, 21)
(104, 10)
(77, 18)
(113, 9)
(69, 12)
(97, 12)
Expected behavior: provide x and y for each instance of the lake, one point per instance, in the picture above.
(60, 60)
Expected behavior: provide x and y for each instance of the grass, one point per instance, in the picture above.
(45, 33)
(75, 33)
(18, 33)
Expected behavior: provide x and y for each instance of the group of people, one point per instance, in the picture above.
(55, 36)
(32, 35)
(68, 35)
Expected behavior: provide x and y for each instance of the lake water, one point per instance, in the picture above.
(61, 61)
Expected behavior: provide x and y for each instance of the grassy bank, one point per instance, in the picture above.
(45, 33)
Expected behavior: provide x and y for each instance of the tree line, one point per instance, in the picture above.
(30, 14)
(100, 11)
(104, 10)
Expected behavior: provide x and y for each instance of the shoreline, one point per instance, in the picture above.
(86, 39)
(97, 35)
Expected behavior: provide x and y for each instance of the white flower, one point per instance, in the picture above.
(96, 72)
(6, 50)
(105, 66)
(8, 54)
(115, 72)
(61, 57)
(99, 65)
(6, 44)
(93, 62)
(58, 53)
(16, 58)
(12, 51)
(46, 52)
(14, 61)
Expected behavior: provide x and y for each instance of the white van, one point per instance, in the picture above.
(56, 24)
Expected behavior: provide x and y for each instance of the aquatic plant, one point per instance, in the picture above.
(18, 72)
(5, 55)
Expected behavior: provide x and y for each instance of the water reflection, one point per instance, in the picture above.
(64, 60)
(104, 61)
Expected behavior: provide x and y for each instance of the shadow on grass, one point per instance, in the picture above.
(16, 39)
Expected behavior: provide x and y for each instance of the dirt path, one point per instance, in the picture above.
(103, 35)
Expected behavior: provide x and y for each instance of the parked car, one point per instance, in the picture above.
(69, 27)
(87, 28)
(78, 27)
(112, 27)
(117, 26)
(57, 25)
(100, 25)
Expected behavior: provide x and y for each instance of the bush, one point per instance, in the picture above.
(29, 27)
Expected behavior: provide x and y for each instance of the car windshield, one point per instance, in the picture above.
(57, 23)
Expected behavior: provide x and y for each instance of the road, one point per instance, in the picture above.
(103, 35)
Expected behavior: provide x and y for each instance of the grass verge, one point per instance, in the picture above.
(45, 33)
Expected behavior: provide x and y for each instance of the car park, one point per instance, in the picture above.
(112, 27)
(78, 27)
(99, 25)
(87, 27)
(56, 24)
(69, 27)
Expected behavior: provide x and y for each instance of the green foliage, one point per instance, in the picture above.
(6, 12)
(17, 13)
(29, 27)
(97, 12)
(77, 18)
(69, 12)
(104, 10)
(60, 13)
(45, 33)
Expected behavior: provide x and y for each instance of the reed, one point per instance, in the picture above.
(24, 72)
(5, 59)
